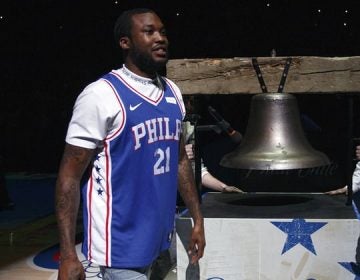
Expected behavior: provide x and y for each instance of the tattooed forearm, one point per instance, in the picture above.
(66, 205)
(77, 155)
(67, 199)
(187, 187)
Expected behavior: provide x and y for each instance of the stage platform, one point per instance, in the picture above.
(273, 236)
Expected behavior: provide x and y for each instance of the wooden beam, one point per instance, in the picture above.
(307, 74)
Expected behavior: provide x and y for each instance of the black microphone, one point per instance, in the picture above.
(235, 136)
(224, 125)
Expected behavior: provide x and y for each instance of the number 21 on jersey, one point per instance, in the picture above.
(162, 163)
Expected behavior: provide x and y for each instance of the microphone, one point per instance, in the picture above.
(224, 125)
(235, 136)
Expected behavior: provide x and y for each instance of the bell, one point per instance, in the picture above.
(274, 139)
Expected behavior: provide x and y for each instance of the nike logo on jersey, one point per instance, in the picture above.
(132, 108)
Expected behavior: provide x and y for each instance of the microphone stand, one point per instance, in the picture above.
(193, 119)
(197, 152)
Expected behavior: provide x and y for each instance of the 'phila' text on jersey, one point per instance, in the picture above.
(156, 129)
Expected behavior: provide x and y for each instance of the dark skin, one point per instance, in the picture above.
(189, 195)
(73, 165)
(148, 39)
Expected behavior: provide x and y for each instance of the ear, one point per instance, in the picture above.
(124, 43)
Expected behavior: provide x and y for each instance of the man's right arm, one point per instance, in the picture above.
(74, 162)
(187, 189)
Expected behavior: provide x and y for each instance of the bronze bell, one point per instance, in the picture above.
(274, 138)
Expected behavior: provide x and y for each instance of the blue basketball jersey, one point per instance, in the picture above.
(130, 197)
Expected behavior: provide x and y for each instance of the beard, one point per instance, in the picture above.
(146, 63)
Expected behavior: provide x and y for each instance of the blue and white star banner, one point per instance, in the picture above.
(273, 249)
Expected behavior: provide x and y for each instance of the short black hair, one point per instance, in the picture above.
(122, 26)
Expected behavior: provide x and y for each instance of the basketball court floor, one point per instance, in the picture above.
(31, 252)
(28, 234)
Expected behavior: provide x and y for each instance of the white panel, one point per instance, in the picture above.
(239, 249)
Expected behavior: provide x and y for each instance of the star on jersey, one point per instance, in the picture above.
(353, 268)
(97, 157)
(100, 191)
(299, 232)
(98, 180)
(97, 168)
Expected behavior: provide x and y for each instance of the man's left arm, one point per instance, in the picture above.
(188, 192)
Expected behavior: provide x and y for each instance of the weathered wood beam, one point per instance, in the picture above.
(307, 74)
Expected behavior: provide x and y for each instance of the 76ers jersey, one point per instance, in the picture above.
(130, 197)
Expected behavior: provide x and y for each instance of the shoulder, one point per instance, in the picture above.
(98, 88)
(95, 116)
(98, 93)
(177, 93)
(172, 85)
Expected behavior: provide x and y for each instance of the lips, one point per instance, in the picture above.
(160, 51)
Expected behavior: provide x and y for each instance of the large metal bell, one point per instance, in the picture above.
(274, 138)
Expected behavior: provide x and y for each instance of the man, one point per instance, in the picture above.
(355, 180)
(126, 128)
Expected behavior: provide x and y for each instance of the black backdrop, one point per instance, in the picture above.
(50, 49)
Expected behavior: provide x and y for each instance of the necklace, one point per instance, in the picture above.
(137, 79)
(156, 81)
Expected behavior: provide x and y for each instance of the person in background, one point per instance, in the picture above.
(207, 179)
(126, 131)
(167, 259)
(355, 178)
(356, 174)
(356, 197)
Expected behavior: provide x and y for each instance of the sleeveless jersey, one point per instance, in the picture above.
(130, 196)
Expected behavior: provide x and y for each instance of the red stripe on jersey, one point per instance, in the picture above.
(176, 97)
(122, 108)
(89, 215)
(107, 204)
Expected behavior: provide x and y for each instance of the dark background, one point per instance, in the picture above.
(51, 49)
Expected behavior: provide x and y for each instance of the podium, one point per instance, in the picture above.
(273, 236)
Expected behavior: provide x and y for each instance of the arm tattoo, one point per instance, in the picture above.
(187, 187)
(67, 198)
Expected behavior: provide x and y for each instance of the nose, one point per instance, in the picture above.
(160, 37)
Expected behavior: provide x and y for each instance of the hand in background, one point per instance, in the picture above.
(189, 149)
(231, 189)
(357, 152)
(342, 190)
